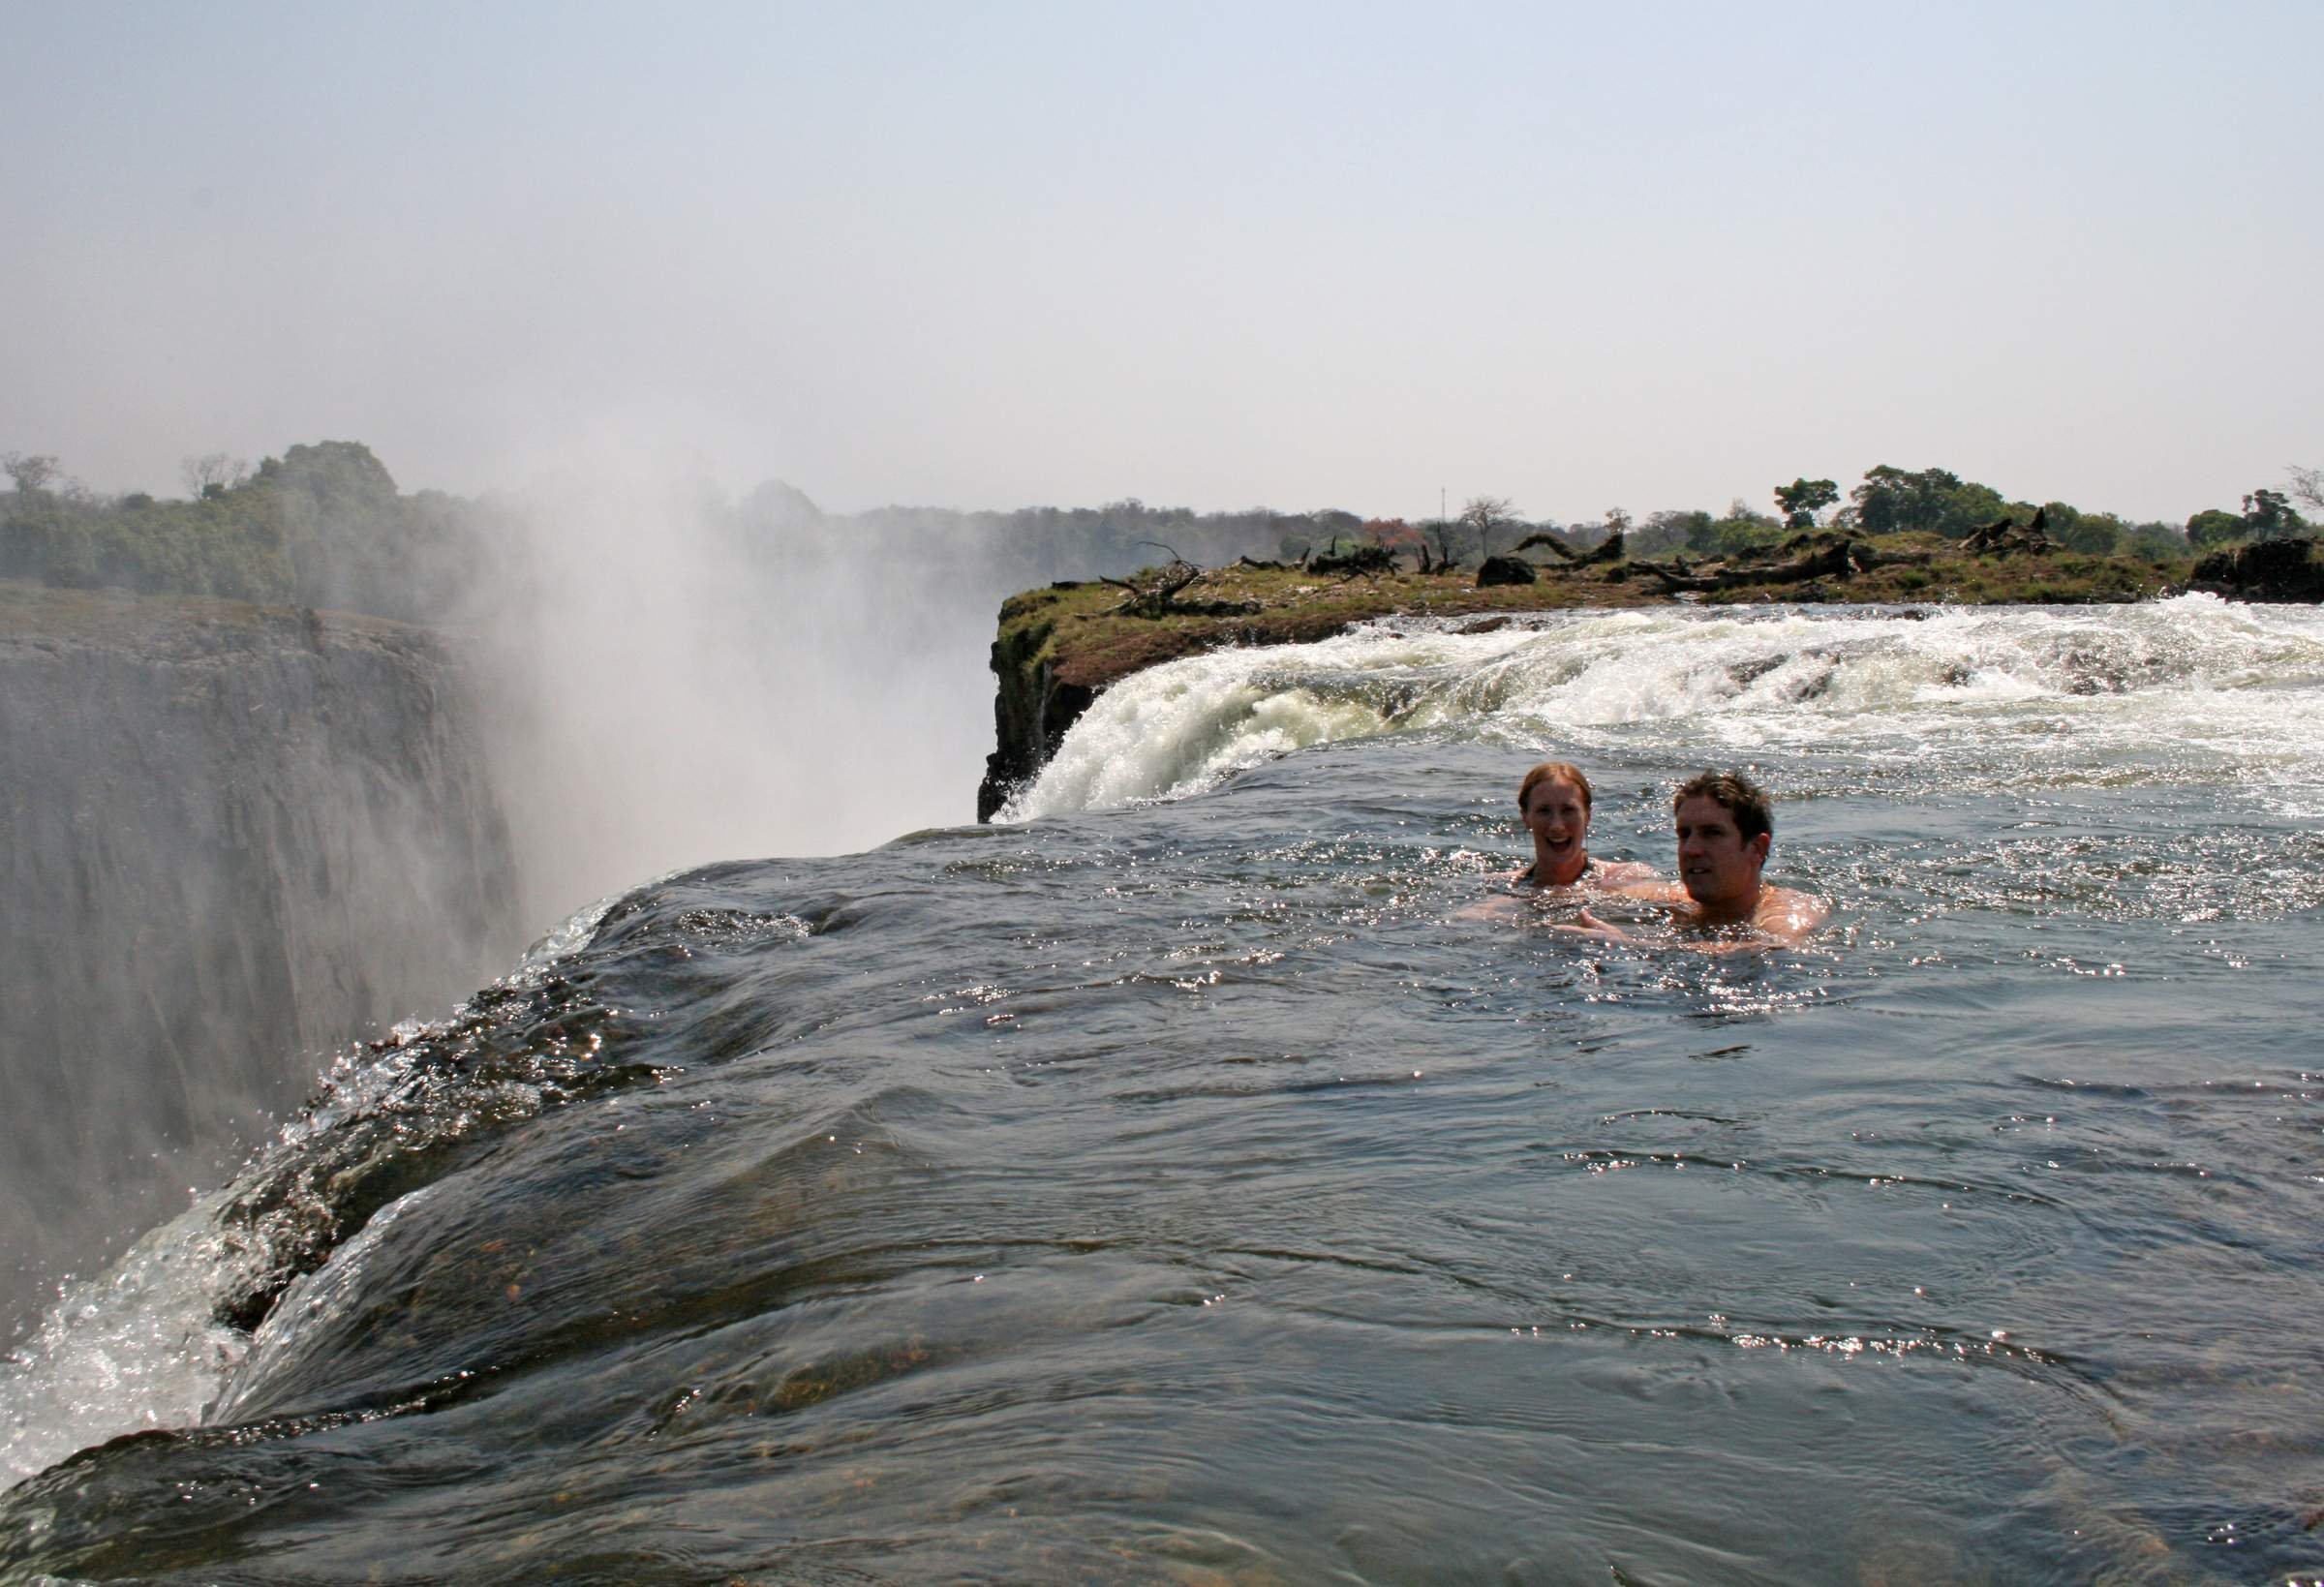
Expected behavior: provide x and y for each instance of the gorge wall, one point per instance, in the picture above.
(234, 839)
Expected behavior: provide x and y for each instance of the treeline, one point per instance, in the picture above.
(325, 526)
(322, 525)
(1890, 501)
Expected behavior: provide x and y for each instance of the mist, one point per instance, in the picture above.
(242, 840)
(671, 677)
(244, 837)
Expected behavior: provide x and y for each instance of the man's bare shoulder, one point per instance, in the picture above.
(1654, 890)
(1787, 914)
(1622, 875)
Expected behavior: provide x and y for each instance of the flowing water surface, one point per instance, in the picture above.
(1176, 1185)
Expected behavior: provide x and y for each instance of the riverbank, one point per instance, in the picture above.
(1058, 646)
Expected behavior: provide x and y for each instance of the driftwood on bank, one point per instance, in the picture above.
(2003, 536)
(1367, 560)
(1154, 592)
(1565, 552)
(1837, 560)
(1609, 550)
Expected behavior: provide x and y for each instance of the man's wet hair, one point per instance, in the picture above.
(1554, 771)
(1737, 795)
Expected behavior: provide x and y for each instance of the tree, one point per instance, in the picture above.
(1668, 531)
(1396, 536)
(2214, 525)
(334, 510)
(2268, 515)
(1890, 501)
(2308, 487)
(2092, 534)
(2155, 541)
(1933, 500)
(212, 474)
(31, 471)
(1802, 499)
(1482, 515)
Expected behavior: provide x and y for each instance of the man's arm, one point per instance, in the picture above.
(1785, 919)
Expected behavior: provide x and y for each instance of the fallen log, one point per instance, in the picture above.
(1565, 552)
(1154, 597)
(1370, 560)
(1154, 592)
(1837, 561)
(2003, 536)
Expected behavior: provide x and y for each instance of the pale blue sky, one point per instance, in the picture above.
(1306, 256)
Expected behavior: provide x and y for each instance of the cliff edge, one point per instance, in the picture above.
(233, 837)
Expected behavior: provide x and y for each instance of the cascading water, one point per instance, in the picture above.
(1183, 1182)
(2188, 687)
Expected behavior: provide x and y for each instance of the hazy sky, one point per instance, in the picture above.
(1218, 256)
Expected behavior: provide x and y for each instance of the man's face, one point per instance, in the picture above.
(1716, 864)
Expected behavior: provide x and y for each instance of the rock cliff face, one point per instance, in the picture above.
(2264, 570)
(234, 839)
(1032, 710)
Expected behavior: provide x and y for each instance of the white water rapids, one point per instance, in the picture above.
(2017, 697)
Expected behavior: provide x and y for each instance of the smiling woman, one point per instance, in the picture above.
(1554, 801)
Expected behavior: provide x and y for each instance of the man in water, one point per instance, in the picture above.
(1725, 829)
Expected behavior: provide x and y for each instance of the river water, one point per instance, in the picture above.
(1175, 1186)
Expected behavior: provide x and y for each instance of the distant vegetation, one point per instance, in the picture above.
(1890, 501)
(319, 525)
(325, 526)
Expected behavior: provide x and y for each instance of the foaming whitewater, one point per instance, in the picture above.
(149, 1343)
(1220, 1174)
(2188, 687)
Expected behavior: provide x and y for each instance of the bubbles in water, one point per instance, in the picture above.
(138, 1348)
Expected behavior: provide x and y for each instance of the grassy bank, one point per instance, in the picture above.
(1079, 633)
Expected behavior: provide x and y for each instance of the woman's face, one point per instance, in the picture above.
(1558, 818)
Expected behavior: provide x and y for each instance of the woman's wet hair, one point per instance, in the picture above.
(1737, 795)
(1554, 771)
